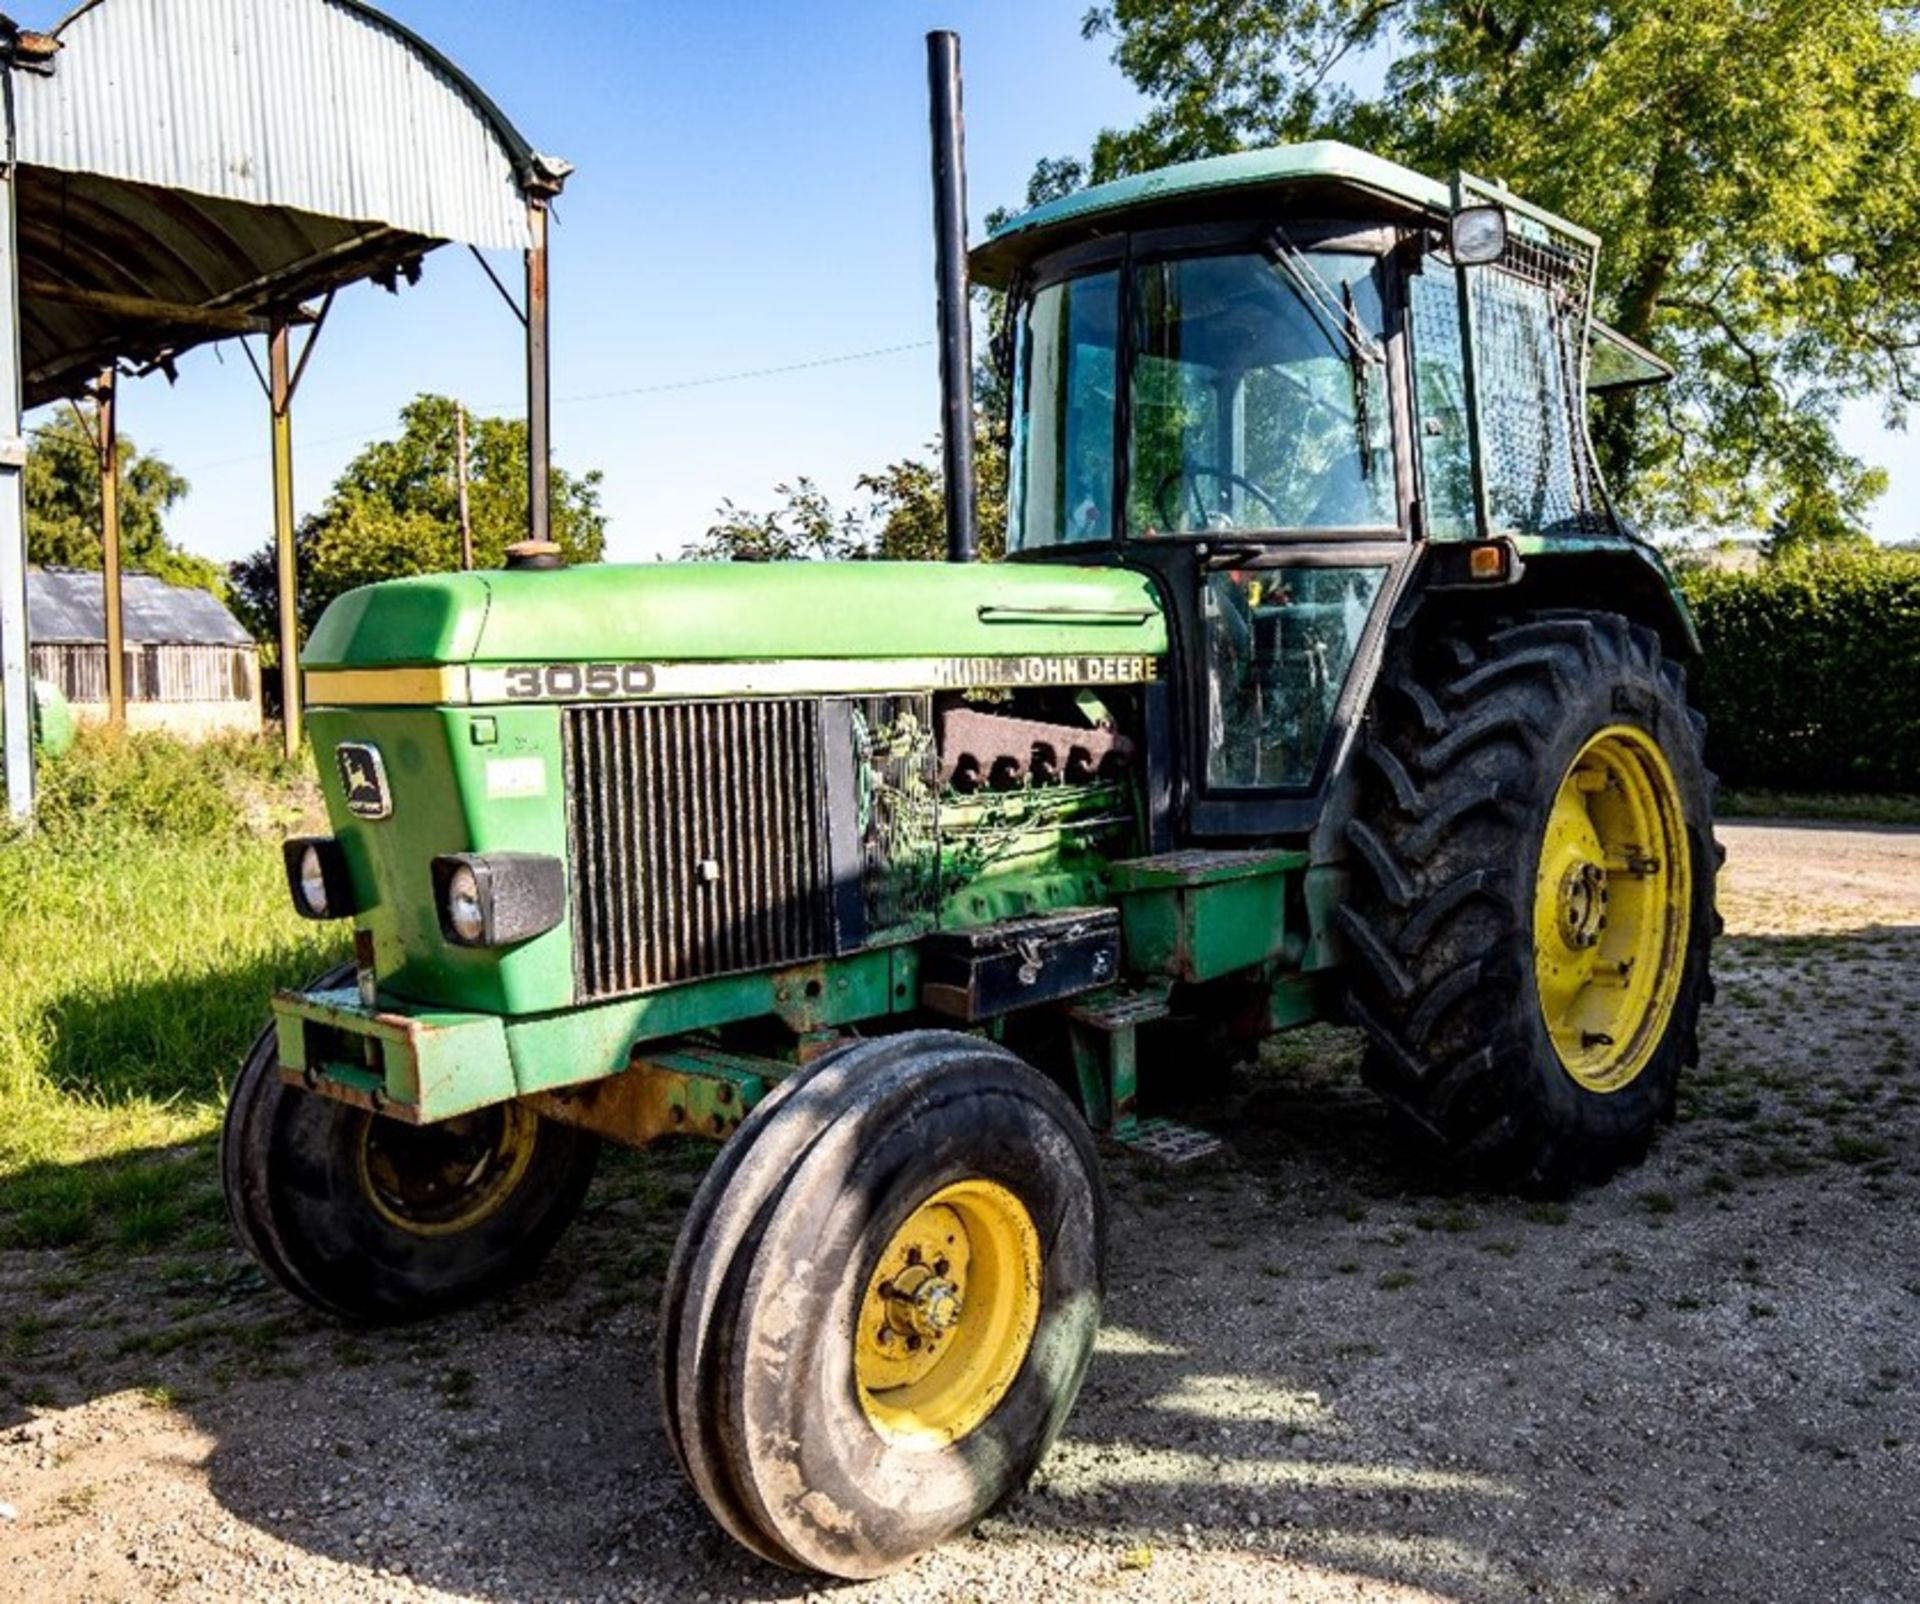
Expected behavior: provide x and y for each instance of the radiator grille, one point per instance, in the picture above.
(698, 840)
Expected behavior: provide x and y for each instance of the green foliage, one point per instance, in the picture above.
(394, 511)
(1754, 172)
(120, 788)
(1811, 679)
(806, 524)
(903, 519)
(147, 921)
(63, 507)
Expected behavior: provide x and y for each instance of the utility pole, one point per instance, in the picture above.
(460, 468)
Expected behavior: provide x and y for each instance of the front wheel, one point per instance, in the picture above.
(1533, 899)
(373, 1220)
(883, 1303)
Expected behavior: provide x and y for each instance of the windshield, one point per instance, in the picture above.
(1256, 401)
(1252, 407)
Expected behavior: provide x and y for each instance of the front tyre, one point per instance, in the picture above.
(375, 1221)
(1533, 899)
(881, 1311)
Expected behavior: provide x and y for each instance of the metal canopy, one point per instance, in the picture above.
(184, 171)
(189, 166)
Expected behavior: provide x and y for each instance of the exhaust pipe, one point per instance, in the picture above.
(950, 271)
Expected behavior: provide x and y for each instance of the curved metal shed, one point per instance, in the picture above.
(183, 171)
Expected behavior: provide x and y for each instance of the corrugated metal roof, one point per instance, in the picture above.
(65, 606)
(321, 105)
(189, 168)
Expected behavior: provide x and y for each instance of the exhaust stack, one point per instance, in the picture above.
(950, 271)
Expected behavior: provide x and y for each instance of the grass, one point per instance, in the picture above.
(146, 924)
(1743, 803)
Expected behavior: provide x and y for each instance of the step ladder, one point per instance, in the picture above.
(1104, 1027)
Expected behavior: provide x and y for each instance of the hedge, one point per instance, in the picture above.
(1811, 679)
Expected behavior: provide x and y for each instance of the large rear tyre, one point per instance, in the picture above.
(375, 1221)
(1533, 894)
(884, 1302)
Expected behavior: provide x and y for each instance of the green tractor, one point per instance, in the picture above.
(1322, 681)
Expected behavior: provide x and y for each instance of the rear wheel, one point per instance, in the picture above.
(373, 1220)
(1533, 894)
(882, 1308)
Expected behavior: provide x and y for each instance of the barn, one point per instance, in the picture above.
(192, 671)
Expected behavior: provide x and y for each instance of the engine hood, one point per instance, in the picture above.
(739, 612)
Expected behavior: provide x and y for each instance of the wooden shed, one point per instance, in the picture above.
(192, 671)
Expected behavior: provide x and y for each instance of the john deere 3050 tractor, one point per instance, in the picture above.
(1322, 682)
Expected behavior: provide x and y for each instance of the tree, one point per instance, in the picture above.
(805, 525)
(904, 517)
(394, 511)
(63, 507)
(1754, 171)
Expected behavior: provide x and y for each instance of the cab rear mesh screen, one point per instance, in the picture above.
(1528, 318)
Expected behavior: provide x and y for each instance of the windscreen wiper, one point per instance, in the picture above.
(1336, 313)
(1357, 365)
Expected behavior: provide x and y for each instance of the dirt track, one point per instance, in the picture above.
(1325, 1374)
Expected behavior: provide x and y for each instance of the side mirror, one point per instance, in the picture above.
(1477, 235)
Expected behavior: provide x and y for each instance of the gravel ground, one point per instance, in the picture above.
(1325, 1373)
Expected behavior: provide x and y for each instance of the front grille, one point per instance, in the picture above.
(698, 836)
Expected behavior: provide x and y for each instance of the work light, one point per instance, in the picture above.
(317, 877)
(496, 899)
(1478, 235)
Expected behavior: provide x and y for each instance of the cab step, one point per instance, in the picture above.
(1170, 1142)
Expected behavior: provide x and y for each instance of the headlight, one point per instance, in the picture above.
(317, 877)
(496, 899)
(465, 917)
(313, 882)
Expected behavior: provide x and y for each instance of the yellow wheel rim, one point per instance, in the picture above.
(948, 1315)
(439, 1180)
(1612, 904)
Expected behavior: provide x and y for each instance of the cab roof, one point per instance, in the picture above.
(1184, 191)
(1351, 180)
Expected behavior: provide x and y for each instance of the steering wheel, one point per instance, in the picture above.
(1190, 474)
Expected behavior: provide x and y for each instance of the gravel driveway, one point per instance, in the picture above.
(1325, 1373)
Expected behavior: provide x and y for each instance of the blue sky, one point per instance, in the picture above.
(751, 193)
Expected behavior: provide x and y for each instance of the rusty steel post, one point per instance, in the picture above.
(539, 393)
(107, 439)
(16, 688)
(280, 402)
(460, 471)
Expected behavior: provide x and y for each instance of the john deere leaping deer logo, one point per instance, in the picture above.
(363, 780)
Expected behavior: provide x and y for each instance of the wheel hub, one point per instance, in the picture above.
(922, 1303)
(948, 1314)
(440, 1180)
(1583, 905)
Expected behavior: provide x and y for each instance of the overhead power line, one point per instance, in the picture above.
(740, 377)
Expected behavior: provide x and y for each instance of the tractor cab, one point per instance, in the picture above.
(1252, 377)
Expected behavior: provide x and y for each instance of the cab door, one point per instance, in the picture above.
(1262, 397)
